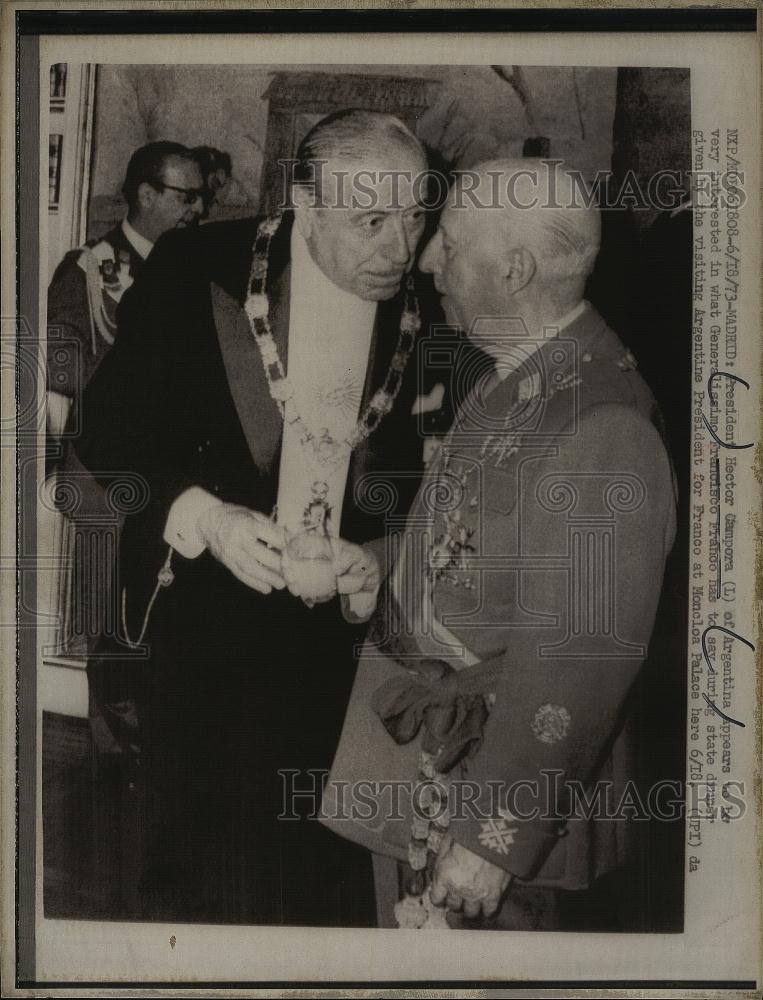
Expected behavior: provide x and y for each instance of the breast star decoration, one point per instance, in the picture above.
(551, 723)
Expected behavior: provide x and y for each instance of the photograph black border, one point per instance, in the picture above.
(30, 25)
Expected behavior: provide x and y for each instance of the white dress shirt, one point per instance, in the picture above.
(140, 244)
(330, 334)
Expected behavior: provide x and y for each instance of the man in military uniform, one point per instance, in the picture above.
(519, 611)
(163, 191)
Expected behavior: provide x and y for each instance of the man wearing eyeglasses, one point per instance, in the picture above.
(163, 190)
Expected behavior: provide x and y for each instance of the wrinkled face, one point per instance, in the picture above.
(171, 209)
(463, 257)
(365, 239)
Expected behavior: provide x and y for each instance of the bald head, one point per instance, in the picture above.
(516, 239)
(537, 203)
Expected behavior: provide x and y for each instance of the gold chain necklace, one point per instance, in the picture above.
(325, 448)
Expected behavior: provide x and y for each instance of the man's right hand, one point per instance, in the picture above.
(246, 542)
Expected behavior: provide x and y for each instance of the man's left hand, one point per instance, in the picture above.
(357, 569)
(464, 879)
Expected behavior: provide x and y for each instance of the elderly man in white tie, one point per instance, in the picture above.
(264, 368)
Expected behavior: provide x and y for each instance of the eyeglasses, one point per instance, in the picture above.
(190, 195)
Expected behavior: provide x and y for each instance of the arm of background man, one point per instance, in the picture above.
(592, 691)
(69, 328)
(58, 413)
(126, 423)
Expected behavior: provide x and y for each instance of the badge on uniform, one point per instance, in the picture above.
(113, 268)
(551, 723)
(107, 272)
(498, 834)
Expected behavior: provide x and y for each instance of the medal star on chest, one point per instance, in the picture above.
(340, 396)
(326, 410)
(453, 531)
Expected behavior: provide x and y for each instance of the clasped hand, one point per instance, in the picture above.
(356, 569)
(250, 545)
(464, 879)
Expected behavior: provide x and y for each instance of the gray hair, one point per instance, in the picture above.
(353, 134)
(541, 208)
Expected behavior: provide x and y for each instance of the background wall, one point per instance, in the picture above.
(476, 112)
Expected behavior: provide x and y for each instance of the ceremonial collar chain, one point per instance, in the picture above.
(257, 308)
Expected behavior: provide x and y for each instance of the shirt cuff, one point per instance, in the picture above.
(358, 608)
(181, 530)
(362, 605)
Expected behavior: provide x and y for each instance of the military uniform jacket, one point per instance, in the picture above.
(76, 344)
(543, 530)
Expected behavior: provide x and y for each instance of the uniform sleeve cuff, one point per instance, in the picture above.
(181, 530)
(518, 846)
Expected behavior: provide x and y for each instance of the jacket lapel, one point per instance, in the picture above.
(257, 412)
(383, 344)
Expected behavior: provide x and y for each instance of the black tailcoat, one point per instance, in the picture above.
(236, 685)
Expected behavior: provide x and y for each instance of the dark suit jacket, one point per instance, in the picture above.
(569, 515)
(182, 400)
